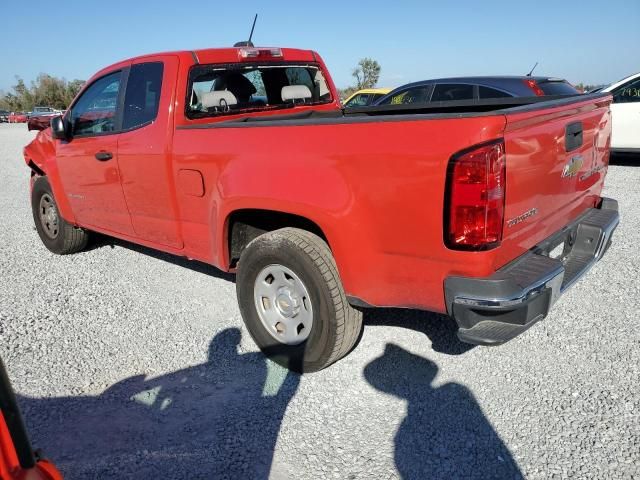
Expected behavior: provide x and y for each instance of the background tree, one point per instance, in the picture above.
(366, 73)
(46, 91)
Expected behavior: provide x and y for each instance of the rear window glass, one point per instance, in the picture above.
(447, 92)
(220, 90)
(557, 88)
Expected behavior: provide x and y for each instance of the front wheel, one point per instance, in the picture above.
(57, 235)
(292, 300)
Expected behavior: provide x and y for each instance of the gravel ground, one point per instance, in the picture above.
(127, 361)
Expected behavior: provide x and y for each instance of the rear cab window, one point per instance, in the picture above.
(218, 90)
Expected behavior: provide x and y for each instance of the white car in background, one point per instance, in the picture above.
(625, 111)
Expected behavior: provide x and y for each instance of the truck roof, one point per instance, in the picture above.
(219, 55)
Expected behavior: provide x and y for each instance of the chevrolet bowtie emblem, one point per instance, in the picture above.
(572, 167)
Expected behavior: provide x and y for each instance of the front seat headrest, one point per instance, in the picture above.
(295, 92)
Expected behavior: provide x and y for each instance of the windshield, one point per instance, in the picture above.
(223, 90)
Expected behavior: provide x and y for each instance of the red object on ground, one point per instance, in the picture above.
(17, 460)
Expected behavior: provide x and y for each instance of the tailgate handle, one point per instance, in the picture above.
(573, 136)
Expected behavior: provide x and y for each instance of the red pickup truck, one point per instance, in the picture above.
(243, 158)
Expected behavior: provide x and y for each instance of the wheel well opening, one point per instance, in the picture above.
(246, 225)
(35, 169)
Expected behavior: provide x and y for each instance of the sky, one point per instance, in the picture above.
(593, 42)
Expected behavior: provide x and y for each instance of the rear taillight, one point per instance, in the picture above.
(475, 198)
(533, 85)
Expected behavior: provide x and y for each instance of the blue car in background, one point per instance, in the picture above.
(476, 88)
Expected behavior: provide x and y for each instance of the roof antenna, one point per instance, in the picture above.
(528, 74)
(248, 42)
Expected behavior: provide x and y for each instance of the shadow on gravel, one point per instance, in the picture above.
(101, 241)
(445, 434)
(625, 160)
(440, 329)
(216, 420)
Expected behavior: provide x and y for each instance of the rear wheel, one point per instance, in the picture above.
(57, 235)
(292, 300)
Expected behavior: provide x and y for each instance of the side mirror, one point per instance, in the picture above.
(59, 128)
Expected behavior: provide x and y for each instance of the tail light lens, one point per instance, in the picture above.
(533, 85)
(475, 198)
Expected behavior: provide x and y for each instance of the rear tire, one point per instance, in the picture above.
(57, 235)
(335, 325)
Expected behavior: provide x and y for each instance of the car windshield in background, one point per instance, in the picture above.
(215, 90)
(557, 88)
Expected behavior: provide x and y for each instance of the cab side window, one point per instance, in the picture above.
(628, 93)
(142, 97)
(95, 111)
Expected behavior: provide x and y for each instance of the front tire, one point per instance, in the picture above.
(292, 301)
(57, 235)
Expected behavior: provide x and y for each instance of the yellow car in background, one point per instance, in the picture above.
(364, 97)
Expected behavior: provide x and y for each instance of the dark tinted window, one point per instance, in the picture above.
(486, 92)
(447, 92)
(95, 110)
(375, 97)
(409, 96)
(628, 93)
(143, 94)
(557, 88)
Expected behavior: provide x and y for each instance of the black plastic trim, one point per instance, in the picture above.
(625, 151)
(394, 114)
(573, 136)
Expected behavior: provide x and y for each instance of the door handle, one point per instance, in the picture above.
(104, 156)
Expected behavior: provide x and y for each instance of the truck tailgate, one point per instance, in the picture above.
(557, 159)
